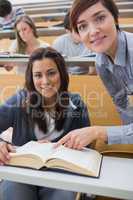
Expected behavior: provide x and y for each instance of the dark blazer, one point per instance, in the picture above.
(12, 115)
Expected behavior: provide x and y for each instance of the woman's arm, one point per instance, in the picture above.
(80, 138)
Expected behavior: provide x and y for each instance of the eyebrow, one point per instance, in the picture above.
(51, 69)
(94, 15)
(36, 72)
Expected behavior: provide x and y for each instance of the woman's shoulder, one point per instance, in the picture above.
(18, 97)
(13, 46)
(43, 43)
(129, 38)
(128, 34)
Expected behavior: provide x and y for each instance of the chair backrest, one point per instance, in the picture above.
(102, 111)
(101, 108)
(117, 150)
(9, 84)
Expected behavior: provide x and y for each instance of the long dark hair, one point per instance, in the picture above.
(35, 102)
(79, 6)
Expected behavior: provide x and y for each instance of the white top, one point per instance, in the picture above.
(51, 133)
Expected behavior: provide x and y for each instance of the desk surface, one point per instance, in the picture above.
(56, 31)
(73, 61)
(116, 178)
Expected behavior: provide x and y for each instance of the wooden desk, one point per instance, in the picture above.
(53, 31)
(121, 5)
(61, 8)
(43, 9)
(48, 16)
(124, 13)
(126, 20)
(45, 4)
(124, 5)
(73, 61)
(116, 179)
(34, 2)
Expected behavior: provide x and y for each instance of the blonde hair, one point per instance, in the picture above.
(21, 45)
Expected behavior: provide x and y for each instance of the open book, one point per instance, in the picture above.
(37, 155)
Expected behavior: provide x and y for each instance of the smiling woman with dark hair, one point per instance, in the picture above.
(44, 110)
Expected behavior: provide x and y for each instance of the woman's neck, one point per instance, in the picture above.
(50, 103)
(32, 45)
(113, 49)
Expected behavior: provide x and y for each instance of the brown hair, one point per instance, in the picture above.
(79, 6)
(62, 99)
(21, 45)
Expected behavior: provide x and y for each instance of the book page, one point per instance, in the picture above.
(86, 161)
(43, 150)
(86, 158)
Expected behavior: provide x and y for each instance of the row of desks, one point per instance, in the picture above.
(73, 61)
(123, 13)
(44, 5)
(61, 8)
(53, 31)
(35, 2)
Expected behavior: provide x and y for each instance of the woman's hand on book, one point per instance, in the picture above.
(5, 148)
(79, 138)
(43, 141)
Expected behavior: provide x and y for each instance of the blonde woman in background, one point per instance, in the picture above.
(26, 40)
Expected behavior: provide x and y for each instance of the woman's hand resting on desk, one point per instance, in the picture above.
(79, 138)
(5, 148)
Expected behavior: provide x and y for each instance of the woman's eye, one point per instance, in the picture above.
(82, 27)
(37, 75)
(51, 73)
(100, 18)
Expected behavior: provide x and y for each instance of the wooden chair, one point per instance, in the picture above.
(95, 95)
(91, 89)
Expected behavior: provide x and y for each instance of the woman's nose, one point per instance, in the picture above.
(93, 29)
(45, 80)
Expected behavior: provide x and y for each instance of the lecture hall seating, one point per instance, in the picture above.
(90, 88)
